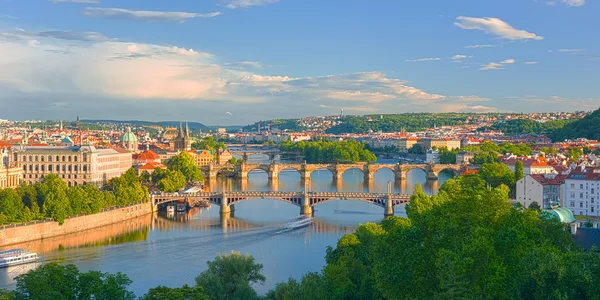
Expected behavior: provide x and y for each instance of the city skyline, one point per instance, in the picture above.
(234, 62)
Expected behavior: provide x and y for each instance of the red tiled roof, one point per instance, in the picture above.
(553, 180)
(588, 173)
(152, 166)
(120, 150)
(146, 155)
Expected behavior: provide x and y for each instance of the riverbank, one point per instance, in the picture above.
(17, 233)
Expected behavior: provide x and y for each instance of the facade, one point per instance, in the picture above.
(545, 189)
(405, 144)
(432, 156)
(75, 165)
(204, 158)
(582, 191)
(129, 141)
(439, 143)
(182, 142)
(532, 166)
(464, 157)
(145, 157)
(10, 174)
(149, 168)
(223, 157)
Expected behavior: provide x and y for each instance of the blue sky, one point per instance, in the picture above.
(239, 61)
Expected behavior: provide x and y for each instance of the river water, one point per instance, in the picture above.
(172, 250)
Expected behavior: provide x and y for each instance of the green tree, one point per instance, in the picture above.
(519, 170)
(174, 181)
(183, 293)
(184, 163)
(497, 174)
(416, 149)
(56, 203)
(12, 207)
(230, 277)
(535, 206)
(485, 158)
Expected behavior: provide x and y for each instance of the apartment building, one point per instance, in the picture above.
(545, 189)
(582, 191)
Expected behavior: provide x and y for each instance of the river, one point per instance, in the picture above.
(172, 250)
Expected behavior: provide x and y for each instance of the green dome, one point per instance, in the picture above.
(563, 214)
(129, 137)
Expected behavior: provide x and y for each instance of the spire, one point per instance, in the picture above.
(187, 130)
(179, 133)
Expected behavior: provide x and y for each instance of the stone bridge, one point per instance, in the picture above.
(400, 170)
(305, 200)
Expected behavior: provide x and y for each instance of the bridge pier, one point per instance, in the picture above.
(400, 175)
(432, 176)
(224, 209)
(389, 207)
(306, 209)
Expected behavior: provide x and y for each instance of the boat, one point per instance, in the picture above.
(202, 204)
(17, 257)
(170, 208)
(298, 223)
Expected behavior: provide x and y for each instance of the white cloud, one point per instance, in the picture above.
(495, 26)
(481, 46)
(571, 50)
(531, 62)
(228, 113)
(129, 80)
(424, 59)
(77, 1)
(233, 4)
(567, 2)
(460, 57)
(497, 65)
(145, 15)
(246, 64)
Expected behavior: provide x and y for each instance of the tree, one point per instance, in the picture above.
(184, 163)
(485, 158)
(231, 277)
(174, 181)
(12, 207)
(183, 293)
(416, 149)
(54, 281)
(519, 170)
(235, 161)
(535, 206)
(497, 174)
(588, 223)
(210, 144)
(56, 203)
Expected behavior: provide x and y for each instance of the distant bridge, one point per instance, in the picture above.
(305, 200)
(273, 169)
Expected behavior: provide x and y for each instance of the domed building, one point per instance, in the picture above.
(129, 141)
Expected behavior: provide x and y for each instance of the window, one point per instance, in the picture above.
(85, 168)
(37, 168)
(43, 168)
(581, 186)
(50, 168)
(30, 168)
(63, 158)
(592, 200)
(69, 168)
(30, 158)
(24, 168)
(572, 204)
(572, 194)
(69, 157)
(50, 158)
(85, 157)
(64, 168)
(592, 209)
(36, 158)
(580, 204)
(24, 158)
(580, 195)
(75, 167)
(592, 190)
(42, 158)
(75, 158)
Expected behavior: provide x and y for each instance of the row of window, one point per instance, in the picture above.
(36, 176)
(50, 168)
(64, 158)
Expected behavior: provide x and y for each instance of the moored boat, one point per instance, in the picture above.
(170, 208)
(17, 257)
(299, 223)
(181, 207)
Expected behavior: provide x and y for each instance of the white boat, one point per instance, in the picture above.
(299, 223)
(181, 207)
(17, 257)
(170, 208)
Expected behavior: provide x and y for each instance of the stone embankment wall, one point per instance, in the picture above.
(15, 234)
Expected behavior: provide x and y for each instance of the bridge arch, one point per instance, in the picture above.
(375, 201)
(354, 169)
(297, 201)
(451, 170)
(264, 168)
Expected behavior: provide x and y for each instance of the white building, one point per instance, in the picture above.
(432, 156)
(545, 189)
(582, 191)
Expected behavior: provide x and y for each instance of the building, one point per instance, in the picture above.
(405, 144)
(222, 130)
(149, 168)
(465, 157)
(582, 191)
(545, 189)
(432, 156)
(204, 158)
(129, 141)
(439, 143)
(223, 157)
(10, 174)
(147, 156)
(75, 165)
(532, 166)
(182, 142)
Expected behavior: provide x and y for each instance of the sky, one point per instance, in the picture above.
(234, 62)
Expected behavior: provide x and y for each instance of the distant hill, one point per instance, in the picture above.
(194, 126)
(588, 127)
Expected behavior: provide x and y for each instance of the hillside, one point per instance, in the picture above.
(194, 126)
(588, 127)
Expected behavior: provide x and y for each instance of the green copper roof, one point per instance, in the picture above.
(563, 214)
(128, 137)
(67, 140)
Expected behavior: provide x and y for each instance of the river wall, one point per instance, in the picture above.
(16, 234)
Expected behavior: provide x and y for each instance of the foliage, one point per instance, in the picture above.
(54, 281)
(281, 124)
(573, 154)
(535, 206)
(235, 161)
(416, 149)
(519, 170)
(447, 156)
(467, 242)
(210, 144)
(588, 223)
(396, 122)
(167, 180)
(184, 163)
(330, 152)
(53, 199)
(485, 158)
(230, 277)
(526, 126)
(497, 174)
(588, 127)
(183, 293)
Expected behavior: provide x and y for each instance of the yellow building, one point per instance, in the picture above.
(204, 158)
(10, 173)
(223, 157)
